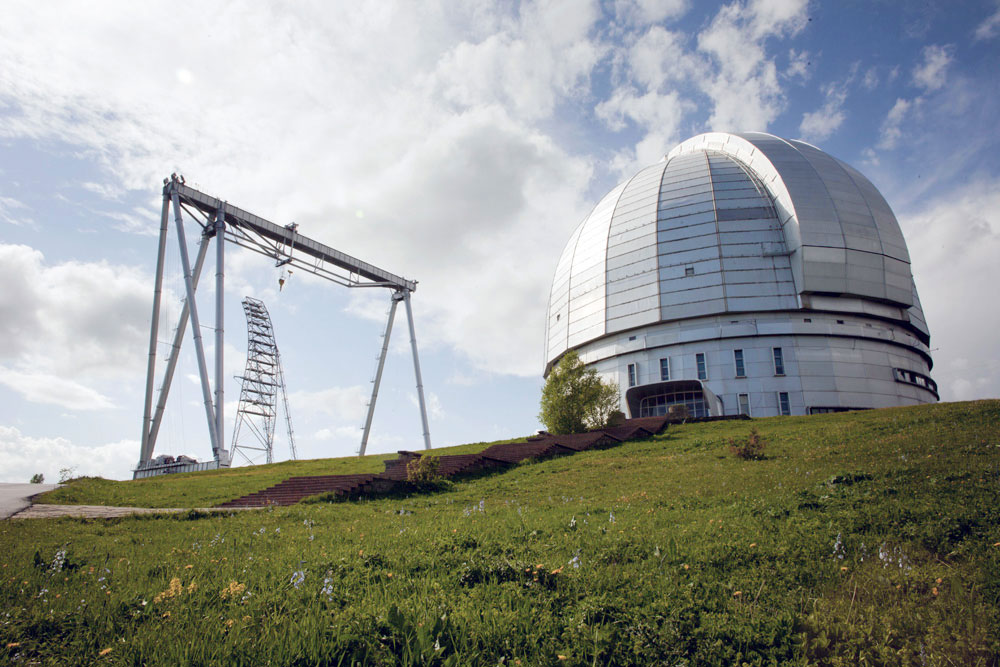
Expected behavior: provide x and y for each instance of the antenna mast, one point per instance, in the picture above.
(263, 378)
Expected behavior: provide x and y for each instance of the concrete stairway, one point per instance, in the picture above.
(294, 489)
(495, 457)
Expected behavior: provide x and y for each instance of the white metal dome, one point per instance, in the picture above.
(733, 229)
(730, 223)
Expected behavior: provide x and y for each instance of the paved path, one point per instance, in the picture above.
(15, 503)
(16, 497)
(87, 511)
(108, 512)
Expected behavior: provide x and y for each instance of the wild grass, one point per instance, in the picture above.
(862, 538)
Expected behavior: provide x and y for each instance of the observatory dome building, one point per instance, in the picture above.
(743, 273)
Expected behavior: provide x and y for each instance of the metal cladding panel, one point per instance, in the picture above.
(916, 314)
(681, 282)
(688, 244)
(757, 303)
(693, 309)
(629, 288)
(754, 276)
(590, 256)
(630, 321)
(821, 202)
(671, 269)
(639, 261)
(587, 273)
(632, 247)
(696, 294)
(888, 227)
(634, 307)
(690, 225)
(558, 313)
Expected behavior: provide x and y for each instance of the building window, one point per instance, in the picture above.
(918, 379)
(779, 361)
(702, 367)
(665, 369)
(784, 408)
(741, 371)
(632, 374)
(659, 405)
(744, 400)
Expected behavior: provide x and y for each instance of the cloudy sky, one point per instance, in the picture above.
(454, 143)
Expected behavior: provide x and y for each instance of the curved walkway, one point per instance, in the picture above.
(15, 503)
(16, 497)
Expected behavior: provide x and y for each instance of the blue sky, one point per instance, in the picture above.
(457, 144)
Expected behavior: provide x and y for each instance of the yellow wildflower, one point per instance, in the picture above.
(172, 591)
(234, 589)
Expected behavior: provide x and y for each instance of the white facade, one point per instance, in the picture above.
(772, 277)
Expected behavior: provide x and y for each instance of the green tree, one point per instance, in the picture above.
(37, 478)
(575, 399)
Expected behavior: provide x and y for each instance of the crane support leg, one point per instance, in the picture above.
(378, 373)
(199, 348)
(221, 455)
(175, 352)
(416, 371)
(145, 449)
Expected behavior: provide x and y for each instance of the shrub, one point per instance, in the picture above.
(37, 478)
(679, 411)
(575, 398)
(751, 448)
(423, 470)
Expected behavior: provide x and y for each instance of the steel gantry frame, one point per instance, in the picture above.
(221, 221)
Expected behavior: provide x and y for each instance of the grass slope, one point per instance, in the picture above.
(862, 538)
(212, 487)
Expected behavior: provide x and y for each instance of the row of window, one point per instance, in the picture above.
(912, 377)
(784, 405)
(702, 366)
(656, 406)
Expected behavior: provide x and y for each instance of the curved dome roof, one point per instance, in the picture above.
(729, 223)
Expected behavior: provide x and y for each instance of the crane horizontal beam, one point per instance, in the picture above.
(287, 237)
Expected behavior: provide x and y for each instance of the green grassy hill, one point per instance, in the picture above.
(212, 487)
(862, 538)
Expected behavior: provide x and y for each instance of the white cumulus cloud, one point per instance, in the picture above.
(25, 455)
(931, 74)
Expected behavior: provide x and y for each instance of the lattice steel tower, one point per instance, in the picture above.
(253, 436)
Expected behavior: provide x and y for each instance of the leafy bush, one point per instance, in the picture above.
(750, 448)
(575, 399)
(423, 470)
(679, 411)
(37, 478)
